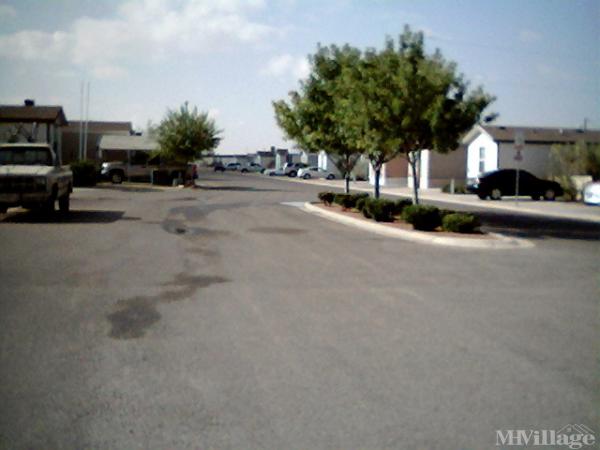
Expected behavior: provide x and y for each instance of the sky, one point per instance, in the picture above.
(232, 58)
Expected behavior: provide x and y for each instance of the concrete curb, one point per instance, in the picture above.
(498, 243)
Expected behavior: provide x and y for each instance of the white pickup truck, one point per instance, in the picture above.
(31, 176)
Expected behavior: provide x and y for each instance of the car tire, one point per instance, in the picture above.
(306, 176)
(3, 209)
(244, 171)
(496, 194)
(330, 176)
(549, 195)
(271, 174)
(64, 204)
(482, 196)
(292, 174)
(116, 177)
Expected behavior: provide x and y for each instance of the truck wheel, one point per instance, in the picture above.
(116, 177)
(64, 203)
(3, 209)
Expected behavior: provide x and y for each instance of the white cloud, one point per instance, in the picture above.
(141, 31)
(108, 72)
(287, 65)
(529, 36)
(7, 11)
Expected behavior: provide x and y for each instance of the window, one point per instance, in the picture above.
(481, 159)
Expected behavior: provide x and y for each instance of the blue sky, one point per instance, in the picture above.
(540, 58)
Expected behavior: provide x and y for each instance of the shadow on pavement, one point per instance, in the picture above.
(71, 217)
(126, 188)
(533, 227)
(237, 188)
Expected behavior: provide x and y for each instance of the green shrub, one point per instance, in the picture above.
(401, 204)
(326, 197)
(381, 210)
(422, 217)
(460, 223)
(444, 212)
(338, 199)
(84, 173)
(361, 202)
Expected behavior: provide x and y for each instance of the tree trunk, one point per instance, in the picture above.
(414, 160)
(347, 185)
(377, 176)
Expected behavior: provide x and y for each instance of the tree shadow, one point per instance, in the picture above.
(535, 227)
(72, 217)
(237, 188)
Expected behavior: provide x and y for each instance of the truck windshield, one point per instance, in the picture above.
(29, 156)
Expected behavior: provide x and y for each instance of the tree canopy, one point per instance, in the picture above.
(403, 101)
(310, 117)
(382, 103)
(185, 134)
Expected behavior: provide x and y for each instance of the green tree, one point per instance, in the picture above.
(567, 161)
(402, 100)
(310, 117)
(185, 134)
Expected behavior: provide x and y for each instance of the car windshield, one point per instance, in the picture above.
(28, 156)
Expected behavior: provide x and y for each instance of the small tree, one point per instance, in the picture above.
(404, 101)
(185, 134)
(310, 118)
(567, 161)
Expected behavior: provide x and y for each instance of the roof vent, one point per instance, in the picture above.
(29, 102)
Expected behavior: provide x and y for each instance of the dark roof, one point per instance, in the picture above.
(14, 113)
(542, 134)
(96, 126)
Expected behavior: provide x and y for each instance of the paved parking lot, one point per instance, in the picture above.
(220, 318)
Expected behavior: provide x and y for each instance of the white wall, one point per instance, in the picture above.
(491, 155)
(535, 158)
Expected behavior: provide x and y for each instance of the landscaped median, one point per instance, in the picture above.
(417, 223)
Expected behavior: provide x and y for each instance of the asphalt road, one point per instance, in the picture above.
(220, 318)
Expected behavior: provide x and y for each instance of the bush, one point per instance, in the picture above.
(84, 173)
(422, 217)
(381, 210)
(444, 212)
(460, 223)
(326, 197)
(401, 204)
(361, 202)
(348, 201)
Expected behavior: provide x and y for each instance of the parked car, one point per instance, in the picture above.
(252, 167)
(142, 168)
(275, 172)
(233, 166)
(502, 182)
(291, 169)
(31, 176)
(219, 167)
(591, 193)
(307, 173)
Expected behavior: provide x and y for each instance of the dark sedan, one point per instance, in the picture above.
(503, 182)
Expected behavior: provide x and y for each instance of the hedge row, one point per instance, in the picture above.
(421, 217)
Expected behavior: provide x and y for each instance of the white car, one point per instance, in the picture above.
(252, 167)
(314, 172)
(591, 193)
(275, 172)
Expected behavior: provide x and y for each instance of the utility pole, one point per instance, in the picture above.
(80, 154)
(87, 118)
